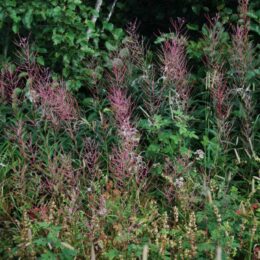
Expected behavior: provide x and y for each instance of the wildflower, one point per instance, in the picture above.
(57, 103)
(199, 154)
(135, 45)
(174, 65)
(124, 161)
(119, 71)
(179, 182)
(219, 93)
(121, 105)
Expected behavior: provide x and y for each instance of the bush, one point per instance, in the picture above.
(65, 36)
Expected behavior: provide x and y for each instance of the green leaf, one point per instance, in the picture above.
(164, 137)
(109, 46)
(15, 28)
(112, 254)
(41, 241)
(118, 34)
(43, 224)
(108, 26)
(184, 150)
(85, 48)
(255, 28)
(196, 9)
(56, 12)
(193, 27)
(48, 256)
(40, 60)
(153, 148)
(27, 20)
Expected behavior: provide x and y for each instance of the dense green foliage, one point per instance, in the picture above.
(64, 34)
(157, 155)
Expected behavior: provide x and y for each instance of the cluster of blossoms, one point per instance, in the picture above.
(241, 52)
(52, 98)
(179, 182)
(219, 94)
(57, 103)
(174, 65)
(125, 161)
(199, 154)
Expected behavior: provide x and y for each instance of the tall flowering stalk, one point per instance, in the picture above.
(91, 157)
(242, 63)
(57, 103)
(241, 53)
(174, 66)
(221, 95)
(215, 53)
(9, 80)
(51, 98)
(135, 45)
(60, 177)
(134, 51)
(124, 162)
(216, 82)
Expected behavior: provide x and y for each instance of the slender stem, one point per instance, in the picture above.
(95, 16)
(111, 11)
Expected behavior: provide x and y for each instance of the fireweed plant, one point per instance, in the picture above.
(126, 173)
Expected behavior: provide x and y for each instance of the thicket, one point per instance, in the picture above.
(157, 155)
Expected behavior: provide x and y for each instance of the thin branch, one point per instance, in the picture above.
(111, 11)
(95, 16)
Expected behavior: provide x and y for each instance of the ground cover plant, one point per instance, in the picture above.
(160, 160)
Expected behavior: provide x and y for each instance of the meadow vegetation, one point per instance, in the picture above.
(159, 160)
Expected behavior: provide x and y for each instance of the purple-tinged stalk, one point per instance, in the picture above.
(57, 103)
(121, 106)
(124, 161)
(242, 63)
(214, 48)
(9, 81)
(27, 63)
(91, 157)
(150, 89)
(221, 96)
(26, 57)
(174, 66)
(61, 178)
(241, 53)
(53, 100)
(135, 45)
(20, 137)
(220, 91)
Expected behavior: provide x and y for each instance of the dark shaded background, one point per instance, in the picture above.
(154, 15)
